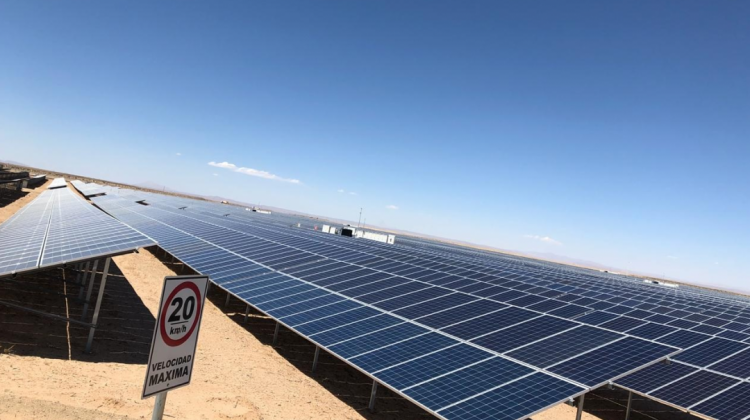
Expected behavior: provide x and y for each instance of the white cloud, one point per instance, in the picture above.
(391, 207)
(352, 193)
(216, 174)
(253, 172)
(178, 154)
(341, 191)
(545, 239)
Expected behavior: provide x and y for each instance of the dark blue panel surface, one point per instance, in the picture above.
(491, 322)
(469, 381)
(737, 365)
(377, 339)
(709, 352)
(403, 351)
(527, 332)
(514, 400)
(411, 298)
(694, 388)
(432, 365)
(651, 331)
(654, 376)
(563, 346)
(460, 313)
(435, 305)
(683, 339)
(612, 360)
(597, 317)
(732, 404)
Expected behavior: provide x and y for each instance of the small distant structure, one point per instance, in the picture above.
(353, 232)
(261, 211)
(224, 202)
(661, 283)
(329, 229)
(380, 237)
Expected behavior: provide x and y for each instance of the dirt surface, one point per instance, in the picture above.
(238, 373)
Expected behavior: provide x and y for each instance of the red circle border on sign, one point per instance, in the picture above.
(162, 326)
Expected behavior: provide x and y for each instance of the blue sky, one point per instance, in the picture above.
(612, 132)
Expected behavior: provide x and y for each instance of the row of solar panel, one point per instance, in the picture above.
(319, 322)
(59, 227)
(652, 327)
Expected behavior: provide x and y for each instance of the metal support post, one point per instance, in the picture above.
(247, 311)
(98, 306)
(276, 333)
(83, 281)
(88, 293)
(580, 407)
(78, 273)
(226, 302)
(373, 394)
(159, 404)
(315, 358)
(630, 405)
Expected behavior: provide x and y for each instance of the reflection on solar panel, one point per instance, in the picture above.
(59, 227)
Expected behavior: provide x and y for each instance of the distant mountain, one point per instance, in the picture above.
(13, 162)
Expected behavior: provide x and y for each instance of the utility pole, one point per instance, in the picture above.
(360, 216)
(364, 223)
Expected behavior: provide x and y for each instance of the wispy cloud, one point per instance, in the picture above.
(391, 207)
(341, 191)
(216, 174)
(178, 154)
(545, 239)
(352, 193)
(673, 257)
(253, 172)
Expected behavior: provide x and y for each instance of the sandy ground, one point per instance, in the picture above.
(238, 373)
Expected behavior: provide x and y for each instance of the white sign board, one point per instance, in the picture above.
(170, 363)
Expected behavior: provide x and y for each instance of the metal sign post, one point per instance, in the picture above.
(170, 362)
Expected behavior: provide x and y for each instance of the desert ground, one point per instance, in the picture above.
(238, 373)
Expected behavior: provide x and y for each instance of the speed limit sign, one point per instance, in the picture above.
(170, 363)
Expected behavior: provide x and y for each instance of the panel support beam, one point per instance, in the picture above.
(95, 319)
(276, 333)
(579, 413)
(247, 311)
(629, 406)
(226, 302)
(88, 293)
(315, 358)
(83, 281)
(373, 395)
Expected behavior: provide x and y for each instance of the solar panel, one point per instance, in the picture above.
(711, 351)
(514, 400)
(565, 345)
(731, 404)
(59, 227)
(462, 384)
(655, 376)
(737, 365)
(605, 363)
(454, 291)
(694, 388)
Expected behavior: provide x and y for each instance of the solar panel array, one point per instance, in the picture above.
(463, 334)
(59, 227)
(57, 183)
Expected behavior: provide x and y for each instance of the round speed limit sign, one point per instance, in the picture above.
(170, 363)
(179, 316)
